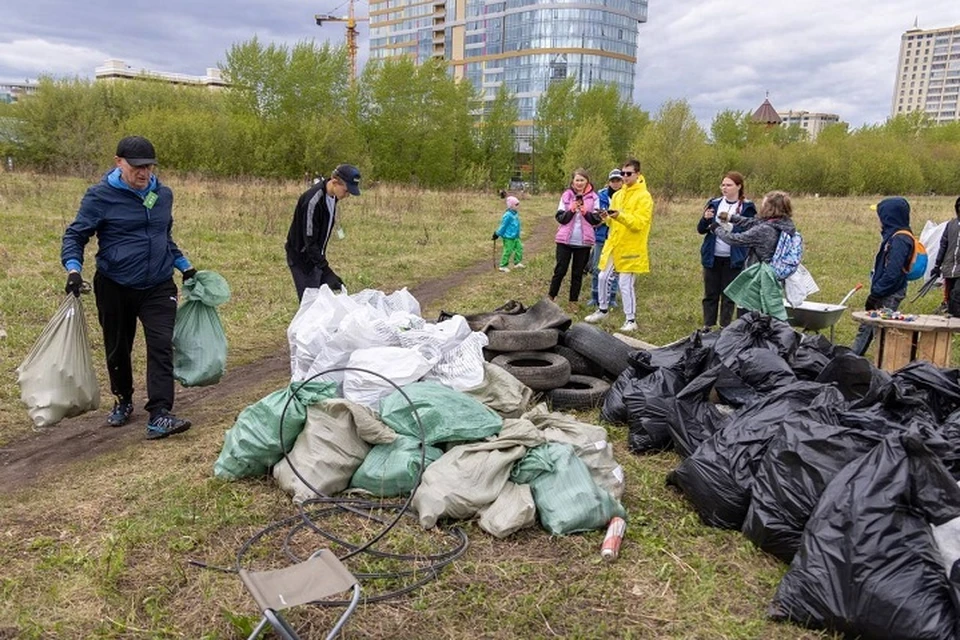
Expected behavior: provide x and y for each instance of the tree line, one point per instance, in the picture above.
(292, 111)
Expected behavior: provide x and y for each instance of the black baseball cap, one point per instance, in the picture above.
(137, 151)
(350, 176)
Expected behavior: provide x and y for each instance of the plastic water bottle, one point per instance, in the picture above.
(611, 542)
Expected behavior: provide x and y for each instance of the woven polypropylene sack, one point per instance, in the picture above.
(57, 379)
(199, 341)
(447, 415)
(392, 469)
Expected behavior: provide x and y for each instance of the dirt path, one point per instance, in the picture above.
(29, 460)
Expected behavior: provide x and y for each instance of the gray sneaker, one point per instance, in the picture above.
(120, 415)
(165, 424)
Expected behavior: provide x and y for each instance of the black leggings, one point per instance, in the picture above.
(580, 256)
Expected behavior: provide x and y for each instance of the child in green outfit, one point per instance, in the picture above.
(509, 230)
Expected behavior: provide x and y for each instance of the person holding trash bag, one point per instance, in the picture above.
(757, 287)
(888, 282)
(509, 232)
(314, 219)
(576, 217)
(722, 262)
(948, 264)
(131, 213)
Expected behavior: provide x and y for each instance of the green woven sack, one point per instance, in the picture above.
(567, 498)
(199, 342)
(392, 469)
(757, 289)
(447, 415)
(252, 445)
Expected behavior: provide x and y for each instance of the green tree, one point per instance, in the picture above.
(497, 148)
(589, 149)
(674, 149)
(552, 130)
(729, 129)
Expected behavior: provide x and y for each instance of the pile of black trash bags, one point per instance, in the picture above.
(844, 471)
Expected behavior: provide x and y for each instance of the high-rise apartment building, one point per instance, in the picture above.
(524, 44)
(928, 73)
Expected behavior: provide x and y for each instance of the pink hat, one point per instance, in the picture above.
(512, 202)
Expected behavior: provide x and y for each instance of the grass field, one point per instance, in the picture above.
(101, 549)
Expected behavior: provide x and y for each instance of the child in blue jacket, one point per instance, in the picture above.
(509, 231)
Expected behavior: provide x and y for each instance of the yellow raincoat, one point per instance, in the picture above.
(626, 244)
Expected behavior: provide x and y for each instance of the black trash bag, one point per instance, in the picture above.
(799, 464)
(649, 406)
(868, 565)
(720, 384)
(855, 376)
(763, 370)
(670, 356)
(938, 387)
(813, 354)
(614, 408)
(754, 329)
(695, 418)
(718, 476)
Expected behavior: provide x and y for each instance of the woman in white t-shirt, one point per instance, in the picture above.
(722, 262)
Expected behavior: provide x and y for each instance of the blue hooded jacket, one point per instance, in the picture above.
(136, 248)
(895, 250)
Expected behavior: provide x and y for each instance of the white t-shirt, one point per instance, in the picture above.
(722, 249)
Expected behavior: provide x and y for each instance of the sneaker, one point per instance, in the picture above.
(596, 316)
(519, 265)
(505, 269)
(165, 424)
(629, 325)
(121, 414)
(941, 310)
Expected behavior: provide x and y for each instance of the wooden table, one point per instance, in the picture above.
(899, 342)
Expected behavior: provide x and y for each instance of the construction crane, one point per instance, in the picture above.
(351, 21)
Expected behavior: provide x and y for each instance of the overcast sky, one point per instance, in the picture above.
(836, 56)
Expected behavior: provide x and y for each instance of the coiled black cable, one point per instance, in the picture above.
(308, 516)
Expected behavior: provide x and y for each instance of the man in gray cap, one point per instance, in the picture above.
(314, 219)
(131, 213)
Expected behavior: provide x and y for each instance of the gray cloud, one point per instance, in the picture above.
(837, 56)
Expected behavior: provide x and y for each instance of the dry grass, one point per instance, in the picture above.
(101, 550)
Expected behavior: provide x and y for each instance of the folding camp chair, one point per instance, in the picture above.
(320, 576)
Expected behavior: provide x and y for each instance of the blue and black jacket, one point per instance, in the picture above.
(738, 253)
(133, 229)
(895, 250)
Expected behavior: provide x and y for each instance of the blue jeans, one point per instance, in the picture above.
(865, 333)
(594, 286)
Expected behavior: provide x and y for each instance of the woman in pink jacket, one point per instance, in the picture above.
(576, 215)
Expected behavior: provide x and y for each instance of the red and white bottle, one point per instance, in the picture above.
(611, 542)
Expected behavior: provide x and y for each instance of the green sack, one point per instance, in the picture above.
(447, 415)
(757, 289)
(567, 498)
(392, 469)
(199, 342)
(252, 445)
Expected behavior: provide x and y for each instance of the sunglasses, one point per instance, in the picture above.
(627, 173)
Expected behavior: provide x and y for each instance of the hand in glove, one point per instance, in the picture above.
(332, 280)
(873, 302)
(189, 273)
(935, 272)
(74, 283)
(494, 237)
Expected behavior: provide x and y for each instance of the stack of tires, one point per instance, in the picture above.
(572, 368)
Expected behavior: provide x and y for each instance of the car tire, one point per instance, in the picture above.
(539, 370)
(579, 365)
(580, 392)
(511, 340)
(600, 347)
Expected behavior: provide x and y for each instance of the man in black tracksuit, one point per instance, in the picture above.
(131, 213)
(313, 221)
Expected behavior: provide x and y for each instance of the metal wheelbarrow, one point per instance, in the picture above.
(815, 316)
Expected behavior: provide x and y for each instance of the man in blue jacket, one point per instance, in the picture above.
(131, 213)
(888, 283)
